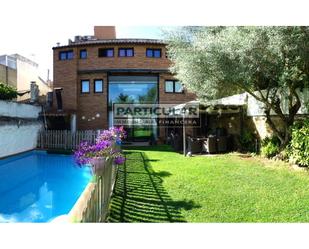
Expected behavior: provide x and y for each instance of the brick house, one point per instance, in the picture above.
(93, 72)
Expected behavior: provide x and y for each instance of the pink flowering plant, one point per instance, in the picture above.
(107, 145)
(116, 134)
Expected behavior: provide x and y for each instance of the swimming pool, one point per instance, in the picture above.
(38, 187)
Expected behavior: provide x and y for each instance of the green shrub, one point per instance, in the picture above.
(299, 145)
(270, 147)
(7, 92)
(247, 141)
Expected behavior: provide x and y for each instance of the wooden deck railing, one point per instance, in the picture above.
(93, 204)
(64, 139)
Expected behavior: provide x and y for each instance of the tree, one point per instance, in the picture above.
(266, 62)
(7, 92)
(149, 97)
(124, 99)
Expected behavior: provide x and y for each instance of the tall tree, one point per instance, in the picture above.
(266, 62)
(124, 99)
(150, 97)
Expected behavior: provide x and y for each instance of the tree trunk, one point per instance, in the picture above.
(287, 120)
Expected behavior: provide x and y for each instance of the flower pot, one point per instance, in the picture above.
(98, 165)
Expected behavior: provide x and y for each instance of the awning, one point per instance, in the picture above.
(209, 107)
(212, 107)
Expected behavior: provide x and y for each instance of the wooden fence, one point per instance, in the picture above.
(64, 139)
(93, 204)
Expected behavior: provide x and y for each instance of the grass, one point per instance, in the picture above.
(142, 133)
(159, 185)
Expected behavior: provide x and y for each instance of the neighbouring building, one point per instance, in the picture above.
(19, 71)
(93, 72)
(8, 75)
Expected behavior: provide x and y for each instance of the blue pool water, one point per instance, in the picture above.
(38, 187)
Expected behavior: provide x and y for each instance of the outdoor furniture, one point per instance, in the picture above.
(172, 140)
(221, 132)
(230, 142)
(210, 145)
(175, 140)
(222, 144)
(178, 145)
(202, 140)
(194, 145)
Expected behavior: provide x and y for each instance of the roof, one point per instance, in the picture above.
(10, 60)
(113, 41)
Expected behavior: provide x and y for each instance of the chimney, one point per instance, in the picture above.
(34, 92)
(105, 32)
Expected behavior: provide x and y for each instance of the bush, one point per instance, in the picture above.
(299, 145)
(270, 147)
(247, 141)
(7, 92)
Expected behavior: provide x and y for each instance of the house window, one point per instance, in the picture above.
(85, 86)
(173, 86)
(98, 86)
(126, 52)
(83, 54)
(106, 52)
(66, 55)
(154, 53)
(178, 87)
(169, 86)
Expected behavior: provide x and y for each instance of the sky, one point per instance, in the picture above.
(39, 47)
(31, 28)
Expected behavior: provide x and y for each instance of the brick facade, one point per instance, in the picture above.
(105, 32)
(69, 73)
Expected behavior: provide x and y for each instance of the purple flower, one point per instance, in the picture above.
(105, 135)
(105, 146)
(112, 133)
(119, 160)
(102, 145)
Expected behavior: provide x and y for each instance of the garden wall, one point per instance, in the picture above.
(258, 124)
(19, 127)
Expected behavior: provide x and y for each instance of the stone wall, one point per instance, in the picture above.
(258, 125)
(18, 110)
(19, 127)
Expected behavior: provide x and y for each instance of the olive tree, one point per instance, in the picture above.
(266, 62)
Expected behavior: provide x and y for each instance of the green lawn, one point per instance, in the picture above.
(158, 185)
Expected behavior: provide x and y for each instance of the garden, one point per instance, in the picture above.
(156, 184)
(296, 151)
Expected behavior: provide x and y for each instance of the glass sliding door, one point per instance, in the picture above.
(134, 90)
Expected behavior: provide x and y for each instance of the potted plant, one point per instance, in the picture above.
(106, 147)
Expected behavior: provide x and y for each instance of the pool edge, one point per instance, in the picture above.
(17, 154)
